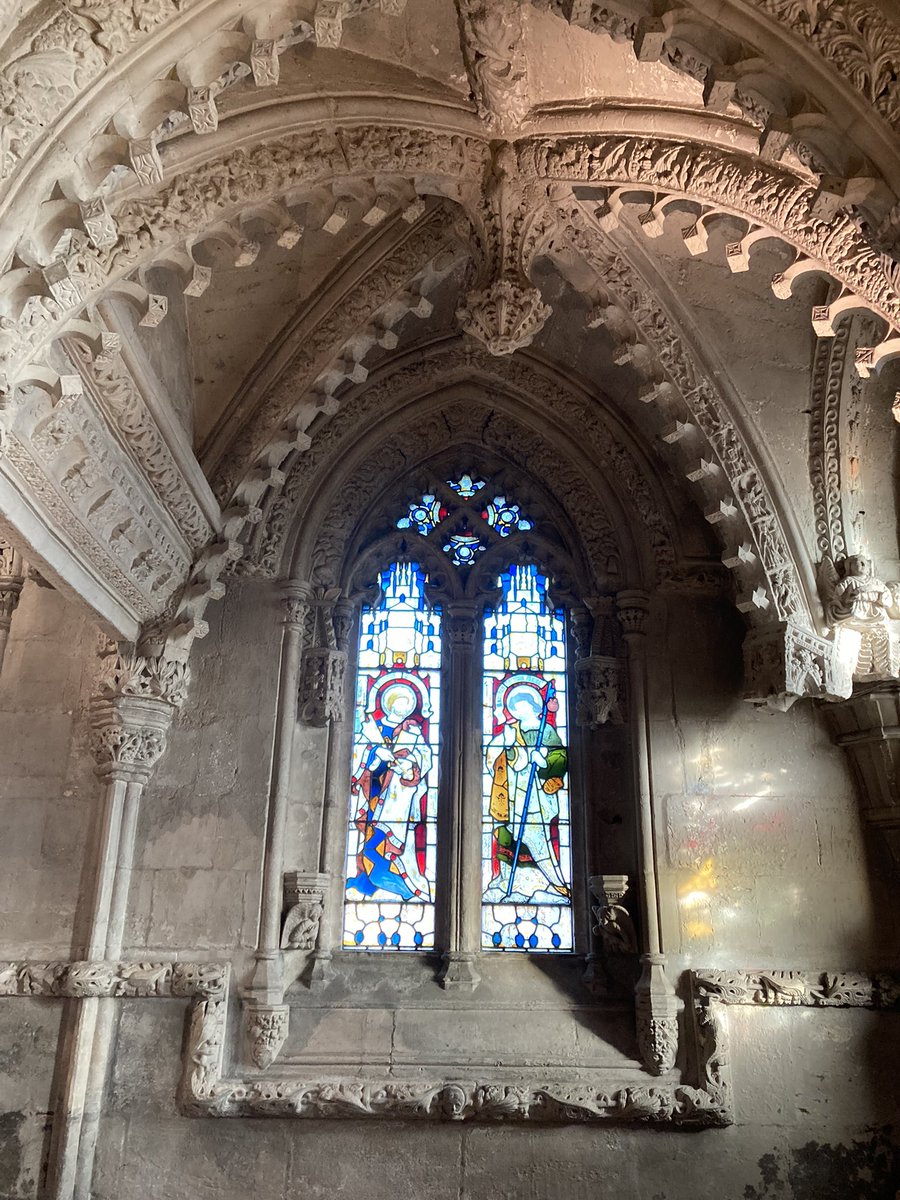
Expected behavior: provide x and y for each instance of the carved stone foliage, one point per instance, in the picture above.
(512, 223)
(857, 38)
(123, 672)
(132, 710)
(266, 1027)
(320, 697)
(304, 898)
(865, 612)
(656, 1016)
(767, 195)
(812, 989)
(126, 980)
(510, 438)
(494, 52)
(326, 626)
(128, 736)
(205, 1090)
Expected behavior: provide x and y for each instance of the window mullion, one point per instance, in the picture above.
(462, 780)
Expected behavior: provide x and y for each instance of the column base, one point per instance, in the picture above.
(458, 972)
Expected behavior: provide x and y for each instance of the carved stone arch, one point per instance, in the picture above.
(335, 523)
(555, 540)
(690, 167)
(524, 391)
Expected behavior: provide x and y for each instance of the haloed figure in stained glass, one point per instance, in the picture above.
(390, 782)
(527, 764)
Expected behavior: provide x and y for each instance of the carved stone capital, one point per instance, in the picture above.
(783, 663)
(321, 687)
(867, 725)
(633, 607)
(265, 1029)
(598, 690)
(656, 1014)
(304, 901)
(10, 591)
(128, 735)
(462, 625)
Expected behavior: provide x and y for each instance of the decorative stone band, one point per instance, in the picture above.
(205, 1090)
(812, 989)
(125, 980)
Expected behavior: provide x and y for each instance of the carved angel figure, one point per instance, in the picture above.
(855, 598)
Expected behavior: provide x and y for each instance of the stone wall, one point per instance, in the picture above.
(762, 864)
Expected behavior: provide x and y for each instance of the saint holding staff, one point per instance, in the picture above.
(527, 763)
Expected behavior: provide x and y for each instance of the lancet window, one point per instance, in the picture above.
(406, 805)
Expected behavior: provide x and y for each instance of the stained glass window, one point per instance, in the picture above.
(506, 518)
(392, 832)
(464, 548)
(424, 515)
(466, 486)
(526, 848)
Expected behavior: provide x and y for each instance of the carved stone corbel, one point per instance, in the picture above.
(784, 663)
(614, 927)
(304, 901)
(494, 52)
(864, 612)
(265, 1029)
(656, 1013)
(598, 687)
(505, 311)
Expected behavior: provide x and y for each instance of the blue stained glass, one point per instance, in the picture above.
(506, 518)
(527, 873)
(423, 515)
(466, 486)
(464, 548)
(392, 826)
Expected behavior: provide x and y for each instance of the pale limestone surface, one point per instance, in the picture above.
(267, 272)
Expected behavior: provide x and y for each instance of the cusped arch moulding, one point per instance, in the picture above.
(786, 68)
(39, 301)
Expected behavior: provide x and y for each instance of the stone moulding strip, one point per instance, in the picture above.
(205, 1090)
